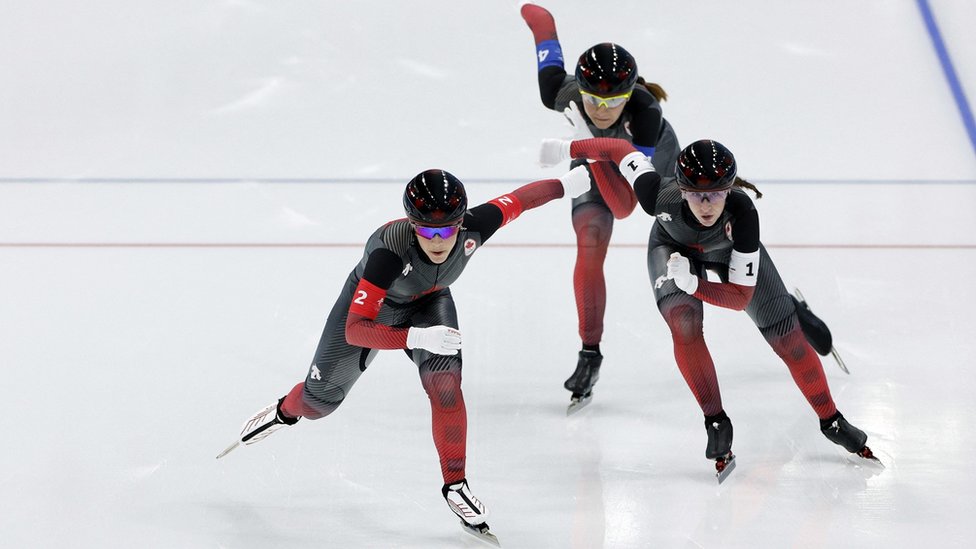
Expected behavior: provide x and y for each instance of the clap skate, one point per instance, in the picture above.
(816, 331)
(719, 429)
(265, 421)
(583, 379)
(470, 510)
(839, 431)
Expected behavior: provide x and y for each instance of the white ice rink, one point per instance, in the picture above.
(185, 185)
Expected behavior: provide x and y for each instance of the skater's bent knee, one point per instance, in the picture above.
(443, 388)
(685, 322)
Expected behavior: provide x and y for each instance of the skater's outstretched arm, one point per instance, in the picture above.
(383, 267)
(496, 213)
(632, 163)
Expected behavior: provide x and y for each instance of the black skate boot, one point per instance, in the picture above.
(719, 429)
(815, 331)
(839, 431)
(582, 381)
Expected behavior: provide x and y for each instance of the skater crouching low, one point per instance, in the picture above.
(705, 221)
(398, 297)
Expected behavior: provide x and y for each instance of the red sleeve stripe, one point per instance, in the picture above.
(729, 296)
(510, 206)
(367, 299)
(601, 148)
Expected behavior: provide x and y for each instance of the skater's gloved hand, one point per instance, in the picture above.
(679, 270)
(440, 340)
(575, 182)
(539, 20)
(553, 151)
(575, 117)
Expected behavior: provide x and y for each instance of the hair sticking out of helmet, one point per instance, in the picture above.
(606, 70)
(435, 198)
(705, 165)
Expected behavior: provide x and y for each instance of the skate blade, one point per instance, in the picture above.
(481, 532)
(840, 361)
(724, 473)
(867, 458)
(229, 449)
(577, 404)
(872, 462)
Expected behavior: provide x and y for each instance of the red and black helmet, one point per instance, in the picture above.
(434, 198)
(705, 165)
(606, 70)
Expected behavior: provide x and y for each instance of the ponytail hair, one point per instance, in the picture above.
(656, 90)
(742, 183)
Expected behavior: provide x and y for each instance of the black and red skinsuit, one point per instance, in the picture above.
(393, 288)
(768, 303)
(642, 123)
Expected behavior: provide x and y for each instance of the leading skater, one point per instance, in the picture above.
(615, 102)
(398, 297)
(705, 221)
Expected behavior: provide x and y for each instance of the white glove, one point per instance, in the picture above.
(575, 182)
(440, 340)
(679, 270)
(553, 151)
(576, 120)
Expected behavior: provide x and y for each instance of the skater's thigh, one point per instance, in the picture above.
(436, 310)
(771, 302)
(337, 365)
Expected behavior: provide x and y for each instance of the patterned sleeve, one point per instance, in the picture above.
(724, 294)
(495, 214)
(383, 267)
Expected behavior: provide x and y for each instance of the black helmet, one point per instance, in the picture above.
(435, 197)
(606, 69)
(705, 165)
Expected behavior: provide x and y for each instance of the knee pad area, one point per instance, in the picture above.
(593, 227)
(786, 339)
(443, 386)
(683, 317)
(590, 237)
(320, 401)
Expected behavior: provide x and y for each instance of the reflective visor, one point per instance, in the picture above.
(608, 102)
(431, 232)
(711, 196)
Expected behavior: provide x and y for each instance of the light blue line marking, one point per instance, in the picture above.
(950, 73)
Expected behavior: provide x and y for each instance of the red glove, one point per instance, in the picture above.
(540, 21)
